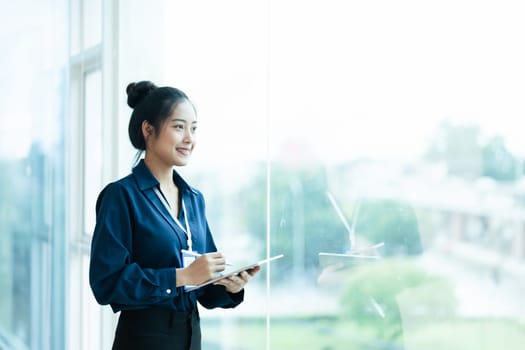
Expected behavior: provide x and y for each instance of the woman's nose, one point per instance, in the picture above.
(188, 136)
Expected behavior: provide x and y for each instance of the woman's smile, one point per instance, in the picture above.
(183, 150)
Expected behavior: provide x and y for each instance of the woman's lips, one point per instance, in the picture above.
(184, 151)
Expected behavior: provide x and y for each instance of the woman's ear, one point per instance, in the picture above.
(147, 130)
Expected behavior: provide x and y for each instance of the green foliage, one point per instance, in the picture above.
(498, 162)
(302, 220)
(457, 146)
(392, 222)
(469, 334)
(371, 291)
(460, 148)
(331, 333)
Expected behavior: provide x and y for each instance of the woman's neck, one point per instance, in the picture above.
(162, 172)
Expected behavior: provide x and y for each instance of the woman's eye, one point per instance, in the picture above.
(179, 126)
(193, 129)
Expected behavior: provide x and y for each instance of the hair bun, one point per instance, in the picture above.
(138, 91)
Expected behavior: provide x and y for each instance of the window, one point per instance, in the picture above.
(32, 238)
(385, 131)
(377, 145)
(89, 163)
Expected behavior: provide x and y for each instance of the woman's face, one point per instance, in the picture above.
(176, 139)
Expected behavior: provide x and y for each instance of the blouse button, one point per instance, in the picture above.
(168, 291)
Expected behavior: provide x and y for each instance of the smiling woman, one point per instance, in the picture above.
(405, 113)
(144, 223)
(171, 120)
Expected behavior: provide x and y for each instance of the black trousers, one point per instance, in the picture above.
(159, 329)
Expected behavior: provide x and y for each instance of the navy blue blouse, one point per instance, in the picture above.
(136, 247)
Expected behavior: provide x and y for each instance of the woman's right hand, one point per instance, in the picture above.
(205, 267)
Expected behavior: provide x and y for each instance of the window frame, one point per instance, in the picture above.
(102, 58)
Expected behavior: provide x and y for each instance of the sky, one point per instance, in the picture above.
(338, 79)
(350, 78)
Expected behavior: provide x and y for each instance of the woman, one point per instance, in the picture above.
(144, 223)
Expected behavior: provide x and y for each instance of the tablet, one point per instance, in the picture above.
(235, 271)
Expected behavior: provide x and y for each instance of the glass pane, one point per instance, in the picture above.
(396, 169)
(34, 47)
(92, 23)
(396, 177)
(230, 92)
(92, 146)
(75, 29)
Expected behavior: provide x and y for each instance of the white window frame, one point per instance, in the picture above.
(101, 57)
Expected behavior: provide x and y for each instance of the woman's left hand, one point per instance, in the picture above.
(234, 284)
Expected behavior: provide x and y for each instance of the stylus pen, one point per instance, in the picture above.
(192, 253)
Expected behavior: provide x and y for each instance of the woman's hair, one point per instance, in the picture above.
(153, 104)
